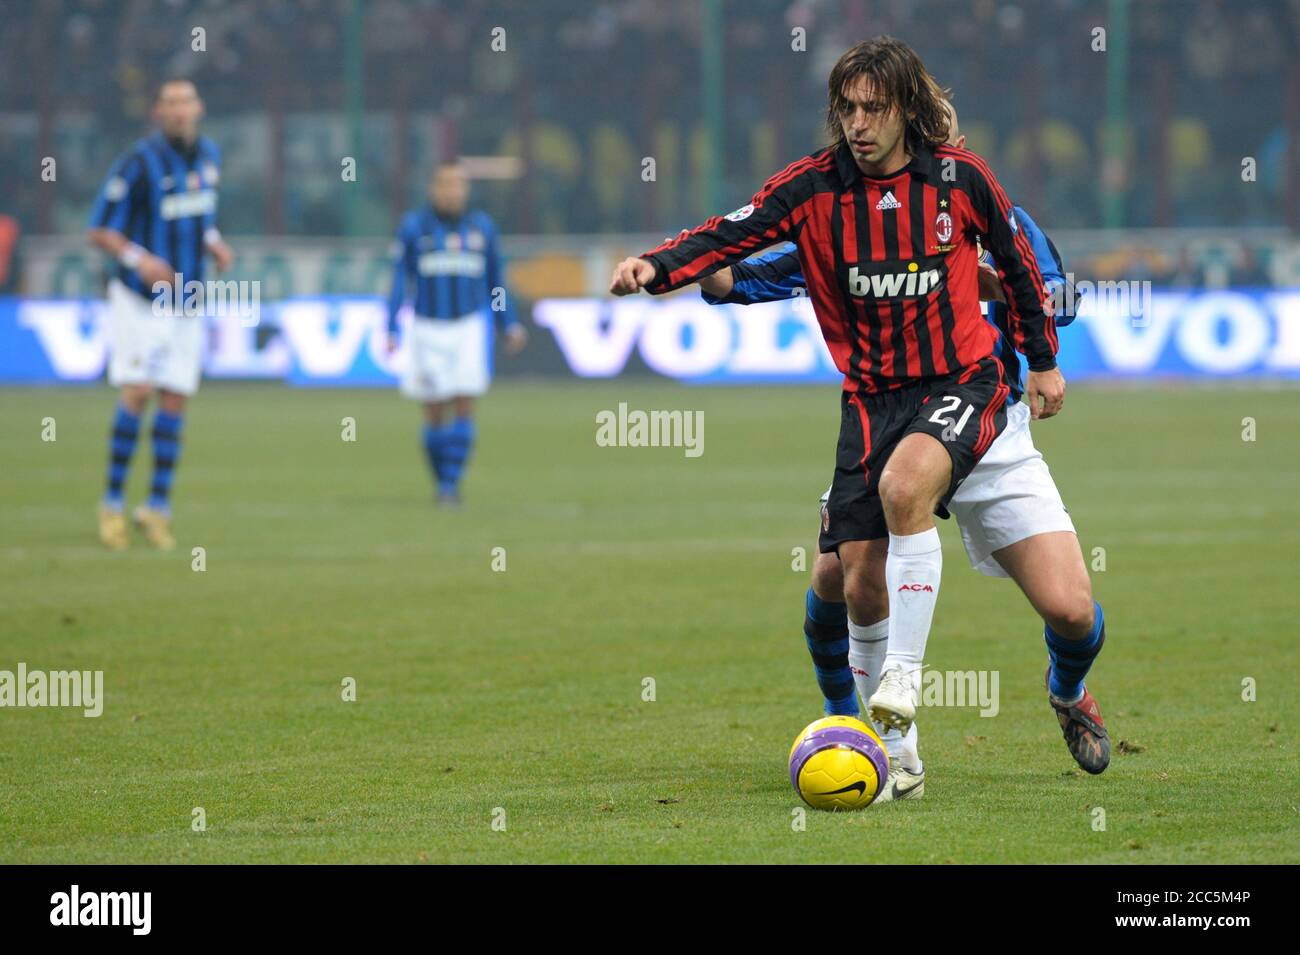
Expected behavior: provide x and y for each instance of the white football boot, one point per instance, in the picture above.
(902, 784)
(894, 702)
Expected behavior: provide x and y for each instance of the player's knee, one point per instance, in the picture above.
(136, 397)
(1071, 613)
(172, 402)
(828, 577)
(867, 597)
(902, 493)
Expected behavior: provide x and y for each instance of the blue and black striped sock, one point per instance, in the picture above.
(433, 439)
(166, 450)
(1071, 659)
(121, 445)
(458, 442)
(826, 630)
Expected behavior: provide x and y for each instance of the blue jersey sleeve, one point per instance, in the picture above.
(1049, 263)
(771, 277)
(125, 187)
(403, 264)
(211, 157)
(496, 280)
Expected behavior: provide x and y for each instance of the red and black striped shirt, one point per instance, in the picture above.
(890, 262)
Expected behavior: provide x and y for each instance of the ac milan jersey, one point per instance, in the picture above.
(775, 276)
(890, 263)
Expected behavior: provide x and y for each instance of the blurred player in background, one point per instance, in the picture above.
(156, 215)
(448, 255)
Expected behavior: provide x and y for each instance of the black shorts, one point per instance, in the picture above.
(965, 412)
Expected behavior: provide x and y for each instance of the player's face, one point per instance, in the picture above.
(872, 127)
(178, 111)
(449, 191)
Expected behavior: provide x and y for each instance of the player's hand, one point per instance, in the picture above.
(391, 342)
(631, 276)
(516, 339)
(153, 270)
(719, 284)
(990, 285)
(1050, 386)
(222, 256)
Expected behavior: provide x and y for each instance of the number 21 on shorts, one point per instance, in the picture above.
(949, 404)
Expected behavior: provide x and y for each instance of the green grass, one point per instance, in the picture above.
(522, 689)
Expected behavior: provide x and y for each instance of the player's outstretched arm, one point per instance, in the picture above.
(718, 286)
(713, 287)
(631, 276)
(774, 276)
(768, 218)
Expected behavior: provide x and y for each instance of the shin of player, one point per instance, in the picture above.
(1048, 566)
(449, 254)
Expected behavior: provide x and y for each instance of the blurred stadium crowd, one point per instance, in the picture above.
(585, 91)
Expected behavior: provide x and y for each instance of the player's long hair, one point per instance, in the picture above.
(898, 73)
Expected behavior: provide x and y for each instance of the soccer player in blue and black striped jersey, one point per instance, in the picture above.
(156, 215)
(447, 255)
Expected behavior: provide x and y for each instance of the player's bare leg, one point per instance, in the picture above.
(136, 397)
(154, 518)
(915, 478)
(433, 412)
(1049, 568)
(132, 403)
(828, 577)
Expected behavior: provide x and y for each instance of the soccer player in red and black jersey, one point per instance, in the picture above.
(886, 221)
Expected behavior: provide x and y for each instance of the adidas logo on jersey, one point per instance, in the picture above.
(887, 201)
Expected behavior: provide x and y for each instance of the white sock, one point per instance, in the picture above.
(903, 750)
(912, 572)
(867, 646)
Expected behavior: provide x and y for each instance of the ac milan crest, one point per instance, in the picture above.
(943, 227)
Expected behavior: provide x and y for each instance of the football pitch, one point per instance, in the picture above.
(600, 658)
